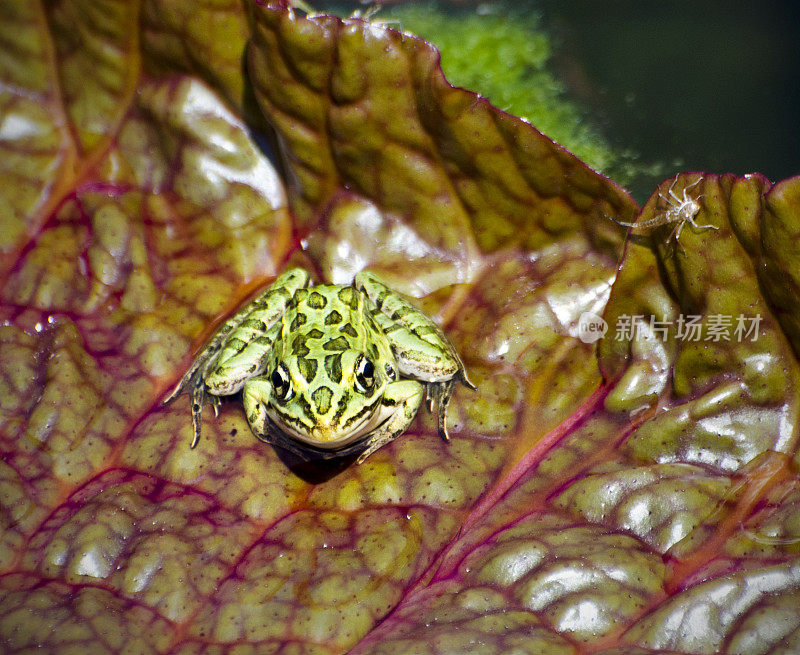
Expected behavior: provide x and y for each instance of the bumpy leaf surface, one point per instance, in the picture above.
(635, 495)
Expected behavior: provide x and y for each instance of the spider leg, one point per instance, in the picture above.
(676, 233)
(670, 191)
(619, 222)
(691, 220)
(686, 197)
(670, 203)
(695, 183)
(672, 186)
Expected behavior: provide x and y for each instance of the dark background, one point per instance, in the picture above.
(711, 86)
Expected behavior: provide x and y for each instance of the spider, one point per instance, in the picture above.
(679, 210)
(371, 11)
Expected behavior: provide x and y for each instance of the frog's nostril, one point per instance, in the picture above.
(322, 400)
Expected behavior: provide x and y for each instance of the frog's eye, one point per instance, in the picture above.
(281, 382)
(365, 374)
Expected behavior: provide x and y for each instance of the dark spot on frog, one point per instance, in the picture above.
(333, 367)
(322, 400)
(333, 318)
(299, 345)
(349, 297)
(349, 330)
(255, 324)
(316, 300)
(308, 368)
(338, 344)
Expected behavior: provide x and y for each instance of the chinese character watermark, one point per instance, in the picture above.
(688, 327)
(717, 327)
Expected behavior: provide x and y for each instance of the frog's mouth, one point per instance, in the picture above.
(330, 438)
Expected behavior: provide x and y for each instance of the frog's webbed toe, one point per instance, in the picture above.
(439, 394)
(462, 375)
(198, 397)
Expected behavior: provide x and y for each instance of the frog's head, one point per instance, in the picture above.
(327, 402)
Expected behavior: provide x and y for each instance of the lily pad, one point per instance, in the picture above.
(635, 494)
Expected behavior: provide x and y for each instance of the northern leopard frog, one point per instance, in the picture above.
(327, 370)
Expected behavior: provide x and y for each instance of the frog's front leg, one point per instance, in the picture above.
(237, 349)
(402, 399)
(422, 350)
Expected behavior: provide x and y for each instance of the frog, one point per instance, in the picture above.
(327, 370)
